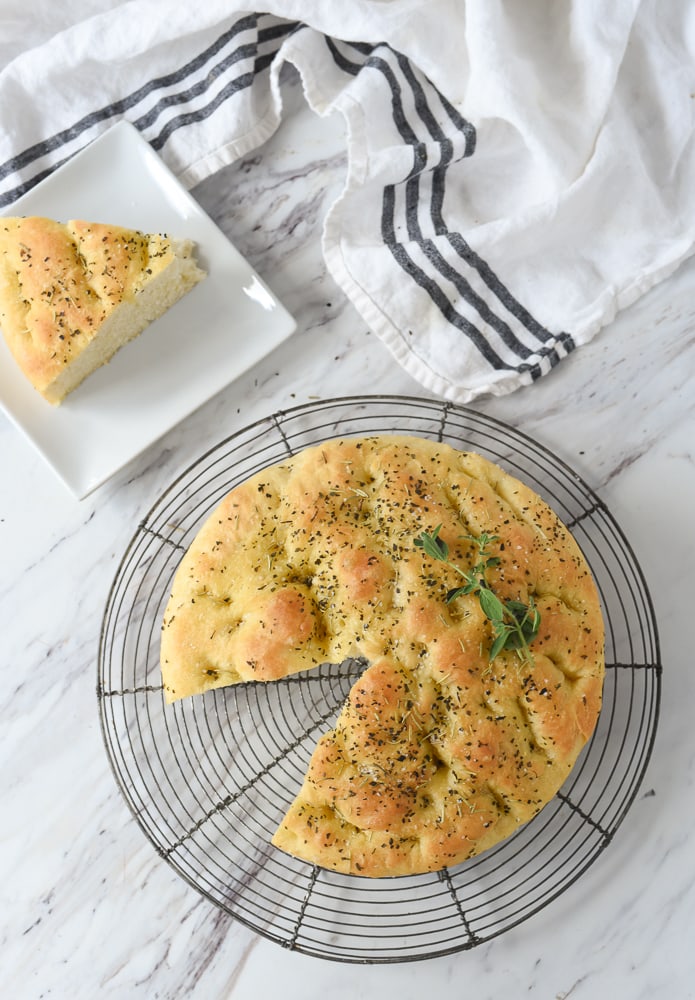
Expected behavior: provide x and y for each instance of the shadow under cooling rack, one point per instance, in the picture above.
(209, 778)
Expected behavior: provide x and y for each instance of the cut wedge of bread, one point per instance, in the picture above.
(72, 294)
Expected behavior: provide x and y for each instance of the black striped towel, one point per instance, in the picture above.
(517, 172)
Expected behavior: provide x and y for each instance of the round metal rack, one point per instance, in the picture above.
(209, 778)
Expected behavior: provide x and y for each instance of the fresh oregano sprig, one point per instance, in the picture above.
(514, 624)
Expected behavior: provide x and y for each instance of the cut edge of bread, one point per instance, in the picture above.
(129, 319)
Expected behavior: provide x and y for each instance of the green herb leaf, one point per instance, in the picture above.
(498, 645)
(433, 545)
(491, 605)
(517, 609)
(457, 592)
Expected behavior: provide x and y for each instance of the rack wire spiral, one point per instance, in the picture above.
(209, 778)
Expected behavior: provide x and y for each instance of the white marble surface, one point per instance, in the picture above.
(87, 908)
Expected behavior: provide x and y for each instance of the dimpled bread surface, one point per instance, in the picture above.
(438, 752)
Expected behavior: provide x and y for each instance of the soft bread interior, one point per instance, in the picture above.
(129, 319)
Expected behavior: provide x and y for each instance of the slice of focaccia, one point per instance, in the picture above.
(72, 294)
(440, 750)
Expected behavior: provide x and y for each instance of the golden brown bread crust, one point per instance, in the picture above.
(437, 753)
(60, 282)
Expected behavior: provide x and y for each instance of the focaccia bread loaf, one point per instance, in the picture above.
(72, 294)
(438, 752)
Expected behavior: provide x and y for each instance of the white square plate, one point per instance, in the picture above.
(214, 334)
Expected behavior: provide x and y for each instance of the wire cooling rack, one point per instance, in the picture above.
(209, 778)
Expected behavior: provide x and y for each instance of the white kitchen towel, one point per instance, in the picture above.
(517, 171)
